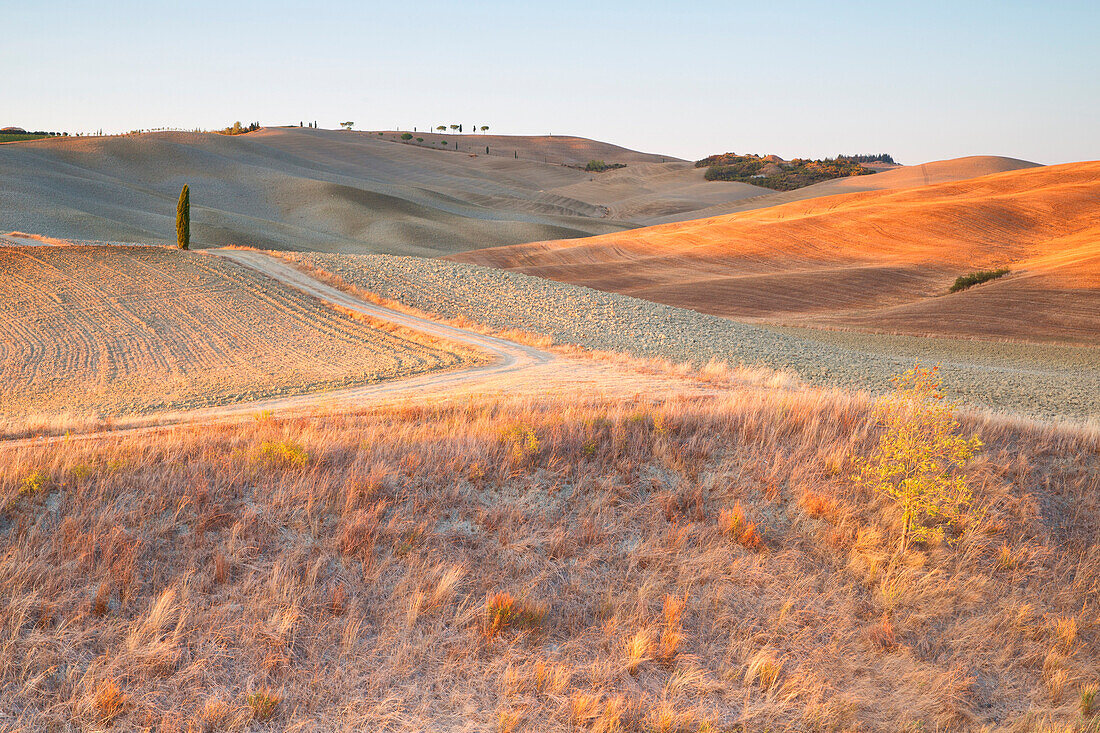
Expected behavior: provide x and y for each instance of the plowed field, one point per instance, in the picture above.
(126, 330)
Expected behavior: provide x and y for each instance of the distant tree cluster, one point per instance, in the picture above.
(873, 158)
(238, 129)
(460, 128)
(962, 282)
(775, 173)
(598, 166)
(21, 131)
(14, 134)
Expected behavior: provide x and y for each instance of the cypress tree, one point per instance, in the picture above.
(183, 219)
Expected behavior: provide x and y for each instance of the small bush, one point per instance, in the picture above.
(815, 504)
(503, 612)
(639, 649)
(34, 483)
(918, 458)
(283, 454)
(521, 441)
(1088, 700)
(406, 136)
(598, 166)
(263, 704)
(672, 634)
(733, 524)
(109, 702)
(420, 139)
(977, 278)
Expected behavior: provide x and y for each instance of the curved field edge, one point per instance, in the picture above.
(1044, 381)
(356, 570)
(103, 332)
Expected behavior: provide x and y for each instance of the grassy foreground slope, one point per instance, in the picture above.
(123, 330)
(880, 260)
(568, 564)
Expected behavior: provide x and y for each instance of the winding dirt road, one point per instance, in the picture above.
(511, 356)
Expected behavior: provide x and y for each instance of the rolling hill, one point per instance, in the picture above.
(890, 179)
(340, 191)
(325, 190)
(876, 260)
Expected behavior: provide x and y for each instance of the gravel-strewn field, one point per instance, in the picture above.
(111, 330)
(1036, 380)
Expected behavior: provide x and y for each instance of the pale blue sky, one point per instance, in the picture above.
(922, 80)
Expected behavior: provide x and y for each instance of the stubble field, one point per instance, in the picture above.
(103, 331)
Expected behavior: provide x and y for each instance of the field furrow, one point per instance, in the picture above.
(108, 331)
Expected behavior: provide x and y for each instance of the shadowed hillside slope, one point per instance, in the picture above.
(556, 149)
(340, 191)
(292, 188)
(880, 260)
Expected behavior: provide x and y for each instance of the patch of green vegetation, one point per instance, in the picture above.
(781, 175)
(32, 484)
(874, 158)
(977, 278)
(283, 454)
(598, 166)
(238, 129)
(15, 137)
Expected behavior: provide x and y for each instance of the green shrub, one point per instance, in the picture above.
(263, 704)
(791, 174)
(406, 136)
(977, 278)
(521, 441)
(1088, 700)
(283, 454)
(420, 139)
(920, 456)
(598, 166)
(32, 484)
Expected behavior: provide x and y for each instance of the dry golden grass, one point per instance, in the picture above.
(87, 332)
(543, 564)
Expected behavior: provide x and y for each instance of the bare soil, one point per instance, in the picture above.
(129, 330)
